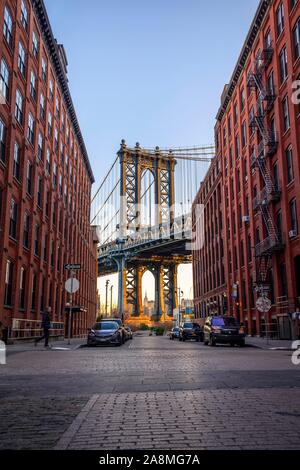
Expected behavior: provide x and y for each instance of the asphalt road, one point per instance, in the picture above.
(150, 393)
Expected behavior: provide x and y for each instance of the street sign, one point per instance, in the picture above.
(71, 267)
(72, 285)
(263, 304)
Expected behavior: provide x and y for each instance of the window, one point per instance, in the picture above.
(289, 164)
(22, 59)
(39, 191)
(35, 45)
(44, 69)
(292, 4)
(33, 292)
(54, 175)
(283, 64)
(17, 162)
(48, 162)
(293, 214)
(40, 146)
(8, 283)
(33, 85)
(29, 177)
(49, 124)
(280, 19)
(56, 146)
(19, 107)
(279, 225)
(24, 15)
(276, 175)
(271, 85)
(46, 247)
(26, 227)
(4, 80)
(22, 287)
(268, 40)
(235, 113)
(2, 141)
(51, 89)
(244, 134)
(13, 219)
(237, 147)
(42, 107)
(57, 107)
(30, 130)
(249, 248)
(242, 99)
(7, 27)
(37, 241)
(296, 40)
(286, 114)
(47, 205)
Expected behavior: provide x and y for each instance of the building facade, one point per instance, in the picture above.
(210, 293)
(258, 144)
(45, 179)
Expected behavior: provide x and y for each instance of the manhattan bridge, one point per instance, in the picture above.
(142, 211)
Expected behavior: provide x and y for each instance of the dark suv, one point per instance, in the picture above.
(224, 330)
(189, 330)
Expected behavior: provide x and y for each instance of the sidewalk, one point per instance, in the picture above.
(55, 345)
(273, 344)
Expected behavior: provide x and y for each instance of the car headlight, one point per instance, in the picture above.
(92, 333)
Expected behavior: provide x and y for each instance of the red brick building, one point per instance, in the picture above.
(208, 258)
(258, 144)
(45, 178)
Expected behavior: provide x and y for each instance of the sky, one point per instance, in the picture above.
(148, 71)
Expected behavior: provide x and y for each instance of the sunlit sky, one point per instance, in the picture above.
(148, 70)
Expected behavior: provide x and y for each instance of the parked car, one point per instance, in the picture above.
(128, 332)
(120, 323)
(224, 330)
(105, 332)
(189, 330)
(174, 333)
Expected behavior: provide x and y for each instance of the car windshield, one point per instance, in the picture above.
(188, 325)
(107, 325)
(226, 321)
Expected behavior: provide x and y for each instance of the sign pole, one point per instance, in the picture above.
(70, 311)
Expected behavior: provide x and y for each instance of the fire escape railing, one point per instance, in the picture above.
(267, 147)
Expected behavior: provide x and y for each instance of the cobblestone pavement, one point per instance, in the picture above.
(151, 393)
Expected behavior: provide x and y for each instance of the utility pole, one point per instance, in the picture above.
(106, 297)
(111, 300)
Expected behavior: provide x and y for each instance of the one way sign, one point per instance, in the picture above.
(72, 266)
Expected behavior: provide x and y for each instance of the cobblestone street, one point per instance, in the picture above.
(150, 393)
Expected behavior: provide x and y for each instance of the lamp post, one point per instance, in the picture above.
(111, 299)
(106, 297)
(180, 292)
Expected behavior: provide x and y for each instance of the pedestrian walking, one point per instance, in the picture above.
(46, 325)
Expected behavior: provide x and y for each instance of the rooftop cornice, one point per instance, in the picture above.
(44, 23)
(251, 37)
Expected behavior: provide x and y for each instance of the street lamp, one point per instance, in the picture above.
(111, 299)
(106, 296)
(180, 293)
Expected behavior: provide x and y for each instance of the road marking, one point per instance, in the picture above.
(68, 435)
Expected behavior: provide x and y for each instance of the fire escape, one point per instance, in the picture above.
(266, 148)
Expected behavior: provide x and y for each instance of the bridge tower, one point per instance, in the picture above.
(133, 163)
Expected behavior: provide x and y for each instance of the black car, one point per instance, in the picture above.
(189, 330)
(105, 332)
(174, 333)
(128, 332)
(224, 330)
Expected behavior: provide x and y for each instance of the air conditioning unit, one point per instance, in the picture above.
(292, 233)
(246, 219)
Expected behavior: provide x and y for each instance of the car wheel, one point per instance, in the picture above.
(242, 344)
(212, 342)
(232, 344)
